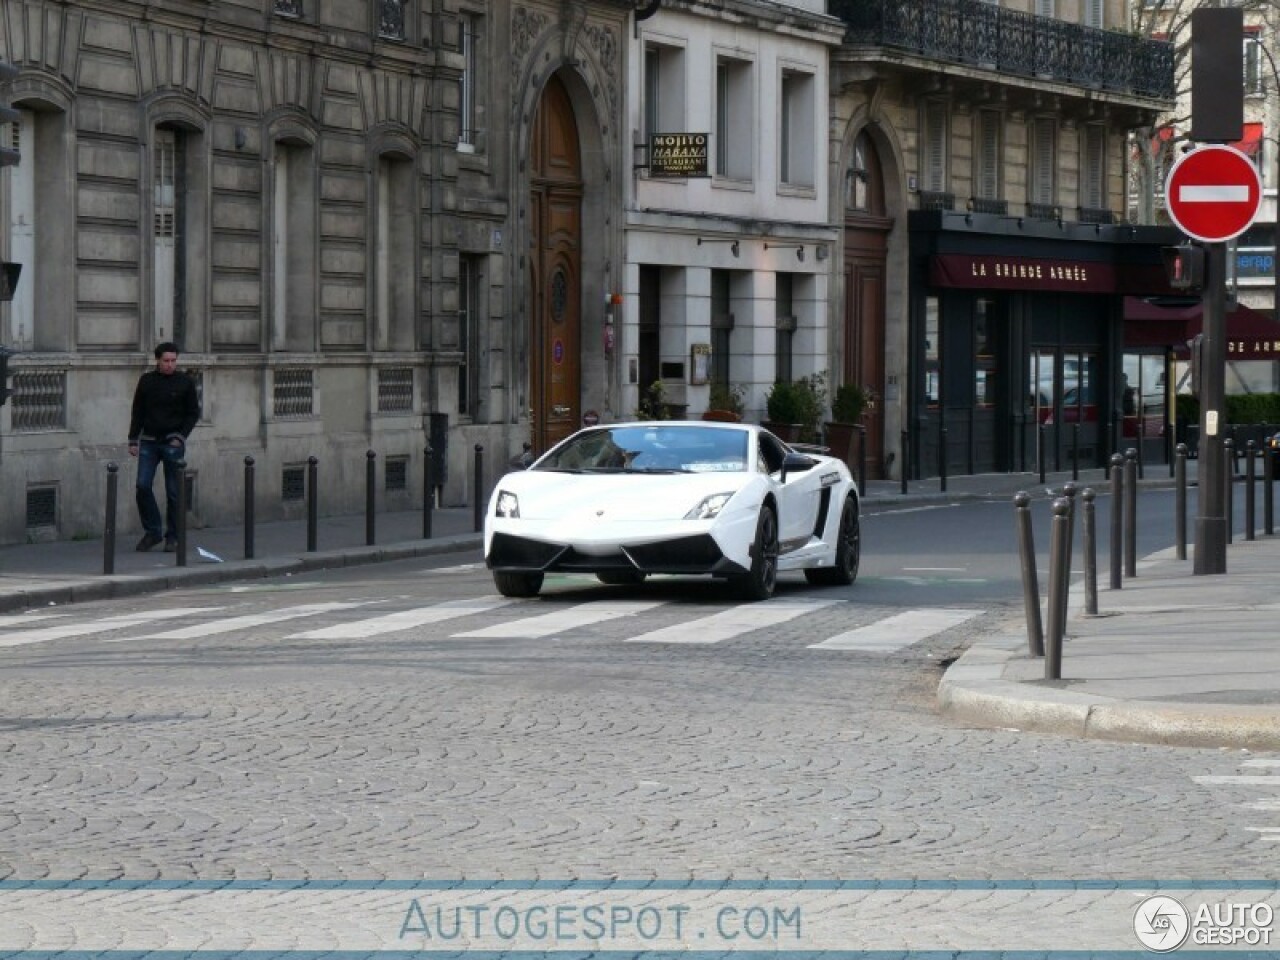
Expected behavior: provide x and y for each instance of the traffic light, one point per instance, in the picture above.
(9, 155)
(1184, 266)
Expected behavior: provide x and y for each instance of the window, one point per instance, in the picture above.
(650, 346)
(663, 90)
(734, 133)
(987, 175)
(721, 326)
(786, 324)
(1044, 142)
(396, 255)
(984, 352)
(1253, 54)
(293, 248)
(1093, 15)
(470, 107)
(391, 19)
(470, 278)
(933, 150)
(932, 354)
(1093, 176)
(1044, 8)
(796, 129)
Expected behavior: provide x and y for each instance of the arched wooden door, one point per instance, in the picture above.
(866, 231)
(555, 258)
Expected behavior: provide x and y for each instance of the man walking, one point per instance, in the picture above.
(165, 410)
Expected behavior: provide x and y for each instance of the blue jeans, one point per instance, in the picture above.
(150, 455)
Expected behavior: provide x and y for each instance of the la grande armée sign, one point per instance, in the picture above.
(678, 154)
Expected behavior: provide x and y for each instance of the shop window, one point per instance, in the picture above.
(932, 354)
(984, 352)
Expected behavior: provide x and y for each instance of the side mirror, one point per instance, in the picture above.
(796, 463)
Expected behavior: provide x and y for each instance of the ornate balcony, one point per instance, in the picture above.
(1011, 42)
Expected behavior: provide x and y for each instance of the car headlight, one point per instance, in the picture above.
(709, 507)
(508, 506)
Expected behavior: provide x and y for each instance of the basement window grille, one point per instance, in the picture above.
(395, 390)
(397, 474)
(42, 507)
(293, 484)
(293, 392)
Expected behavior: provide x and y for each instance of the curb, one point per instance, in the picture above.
(129, 585)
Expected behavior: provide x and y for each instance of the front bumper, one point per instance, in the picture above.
(695, 553)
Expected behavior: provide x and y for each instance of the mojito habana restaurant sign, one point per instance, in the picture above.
(678, 154)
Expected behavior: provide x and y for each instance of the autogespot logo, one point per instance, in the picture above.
(1161, 924)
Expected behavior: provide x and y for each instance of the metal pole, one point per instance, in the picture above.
(428, 493)
(1069, 494)
(1131, 512)
(1090, 553)
(1268, 489)
(1075, 451)
(313, 503)
(248, 508)
(1040, 448)
(862, 459)
(1117, 518)
(942, 457)
(1228, 488)
(182, 514)
(1250, 489)
(370, 482)
(1180, 501)
(478, 486)
(1058, 587)
(1030, 582)
(1211, 520)
(109, 525)
(905, 461)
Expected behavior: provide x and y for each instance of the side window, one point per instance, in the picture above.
(771, 454)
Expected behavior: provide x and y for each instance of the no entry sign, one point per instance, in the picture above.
(1213, 193)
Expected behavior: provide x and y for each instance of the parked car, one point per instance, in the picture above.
(631, 499)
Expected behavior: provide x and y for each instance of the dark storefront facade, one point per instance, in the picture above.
(1017, 343)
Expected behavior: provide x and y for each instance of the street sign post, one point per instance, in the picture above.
(1213, 193)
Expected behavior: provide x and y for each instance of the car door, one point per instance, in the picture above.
(797, 496)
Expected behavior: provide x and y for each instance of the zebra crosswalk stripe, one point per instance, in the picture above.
(897, 631)
(231, 624)
(404, 619)
(579, 615)
(732, 622)
(63, 630)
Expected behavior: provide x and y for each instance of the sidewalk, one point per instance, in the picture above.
(1172, 658)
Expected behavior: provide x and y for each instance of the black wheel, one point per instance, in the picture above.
(620, 578)
(514, 584)
(848, 552)
(760, 582)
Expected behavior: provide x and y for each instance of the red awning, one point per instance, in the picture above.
(1251, 335)
(1251, 142)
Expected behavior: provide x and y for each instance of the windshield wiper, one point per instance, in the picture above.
(658, 470)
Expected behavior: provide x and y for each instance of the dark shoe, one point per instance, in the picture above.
(171, 546)
(148, 541)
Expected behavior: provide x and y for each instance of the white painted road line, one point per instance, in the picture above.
(733, 622)
(1241, 781)
(404, 619)
(232, 624)
(103, 625)
(579, 615)
(898, 631)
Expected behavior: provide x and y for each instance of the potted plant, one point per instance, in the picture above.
(725, 403)
(847, 407)
(794, 408)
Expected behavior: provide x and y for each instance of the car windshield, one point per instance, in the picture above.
(650, 449)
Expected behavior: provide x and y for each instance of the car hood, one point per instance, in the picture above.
(545, 495)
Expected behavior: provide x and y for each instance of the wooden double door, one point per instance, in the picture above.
(864, 323)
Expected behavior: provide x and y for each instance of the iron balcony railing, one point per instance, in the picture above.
(1009, 41)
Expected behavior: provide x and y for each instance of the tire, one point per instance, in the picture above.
(848, 552)
(621, 578)
(759, 584)
(514, 584)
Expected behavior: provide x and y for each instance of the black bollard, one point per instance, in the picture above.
(1228, 491)
(182, 514)
(1069, 494)
(1131, 512)
(313, 503)
(109, 524)
(942, 457)
(370, 484)
(1268, 488)
(1180, 501)
(1117, 518)
(1090, 552)
(1250, 489)
(478, 487)
(862, 459)
(1059, 585)
(248, 508)
(428, 493)
(903, 468)
(1041, 456)
(1030, 582)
